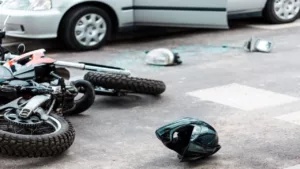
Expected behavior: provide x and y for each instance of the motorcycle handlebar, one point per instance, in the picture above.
(15, 90)
(35, 90)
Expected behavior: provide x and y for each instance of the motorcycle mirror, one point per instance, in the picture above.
(21, 48)
(63, 72)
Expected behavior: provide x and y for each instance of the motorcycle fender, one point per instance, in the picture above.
(63, 72)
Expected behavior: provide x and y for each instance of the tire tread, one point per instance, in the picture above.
(36, 146)
(121, 82)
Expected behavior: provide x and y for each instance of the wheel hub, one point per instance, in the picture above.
(286, 9)
(90, 29)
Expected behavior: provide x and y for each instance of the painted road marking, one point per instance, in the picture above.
(242, 97)
(275, 27)
(294, 167)
(291, 117)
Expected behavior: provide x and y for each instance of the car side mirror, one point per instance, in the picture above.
(258, 45)
(21, 48)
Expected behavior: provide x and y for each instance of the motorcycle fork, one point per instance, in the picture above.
(93, 67)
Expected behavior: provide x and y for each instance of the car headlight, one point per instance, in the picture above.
(34, 5)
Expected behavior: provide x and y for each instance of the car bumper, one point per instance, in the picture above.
(31, 24)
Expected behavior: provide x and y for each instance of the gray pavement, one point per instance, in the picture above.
(118, 133)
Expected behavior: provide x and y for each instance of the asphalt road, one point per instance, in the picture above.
(252, 100)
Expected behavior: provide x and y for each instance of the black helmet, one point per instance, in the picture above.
(195, 139)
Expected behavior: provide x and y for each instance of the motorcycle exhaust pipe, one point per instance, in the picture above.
(92, 68)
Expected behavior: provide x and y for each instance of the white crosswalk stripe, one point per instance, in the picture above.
(294, 167)
(242, 97)
(291, 117)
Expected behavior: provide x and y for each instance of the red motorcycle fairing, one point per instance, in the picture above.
(35, 57)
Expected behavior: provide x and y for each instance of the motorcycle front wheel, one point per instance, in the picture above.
(49, 138)
(126, 83)
(84, 102)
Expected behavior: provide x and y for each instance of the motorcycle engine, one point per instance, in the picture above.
(68, 98)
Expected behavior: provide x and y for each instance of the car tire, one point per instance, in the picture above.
(72, 19)
(274, 17)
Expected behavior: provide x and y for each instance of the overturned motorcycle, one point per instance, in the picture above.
(31, 121)
(34, 98)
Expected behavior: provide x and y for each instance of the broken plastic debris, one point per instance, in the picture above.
(258, 45)
(162, 57)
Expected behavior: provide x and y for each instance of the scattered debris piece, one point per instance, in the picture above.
(258, 45)
(191, 138)
(166, 57)
(162, 57)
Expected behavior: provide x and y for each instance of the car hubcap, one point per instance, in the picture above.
(286, 9)
(90, 29)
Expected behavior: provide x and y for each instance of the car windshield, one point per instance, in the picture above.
(5, 74)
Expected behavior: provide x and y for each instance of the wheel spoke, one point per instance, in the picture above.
(97, 39)
(294, 12)
(88, 40)
(297, 3)
(92, 19)
(278, 5)
(279, 12)
(81, 36)
(286, 14)
(101, 30)
(99, 22)
(83, 21)
(80, 28)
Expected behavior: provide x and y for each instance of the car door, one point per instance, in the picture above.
(242, 6)
(183, 13)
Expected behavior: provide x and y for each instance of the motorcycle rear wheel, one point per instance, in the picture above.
(15, 143)
(129, 84)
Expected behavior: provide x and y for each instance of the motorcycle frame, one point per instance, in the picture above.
(93, 67)
(76, 65)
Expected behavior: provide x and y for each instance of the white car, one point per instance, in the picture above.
(87, 24)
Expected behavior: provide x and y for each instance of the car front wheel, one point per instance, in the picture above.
(86, 28)
(282, 11)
